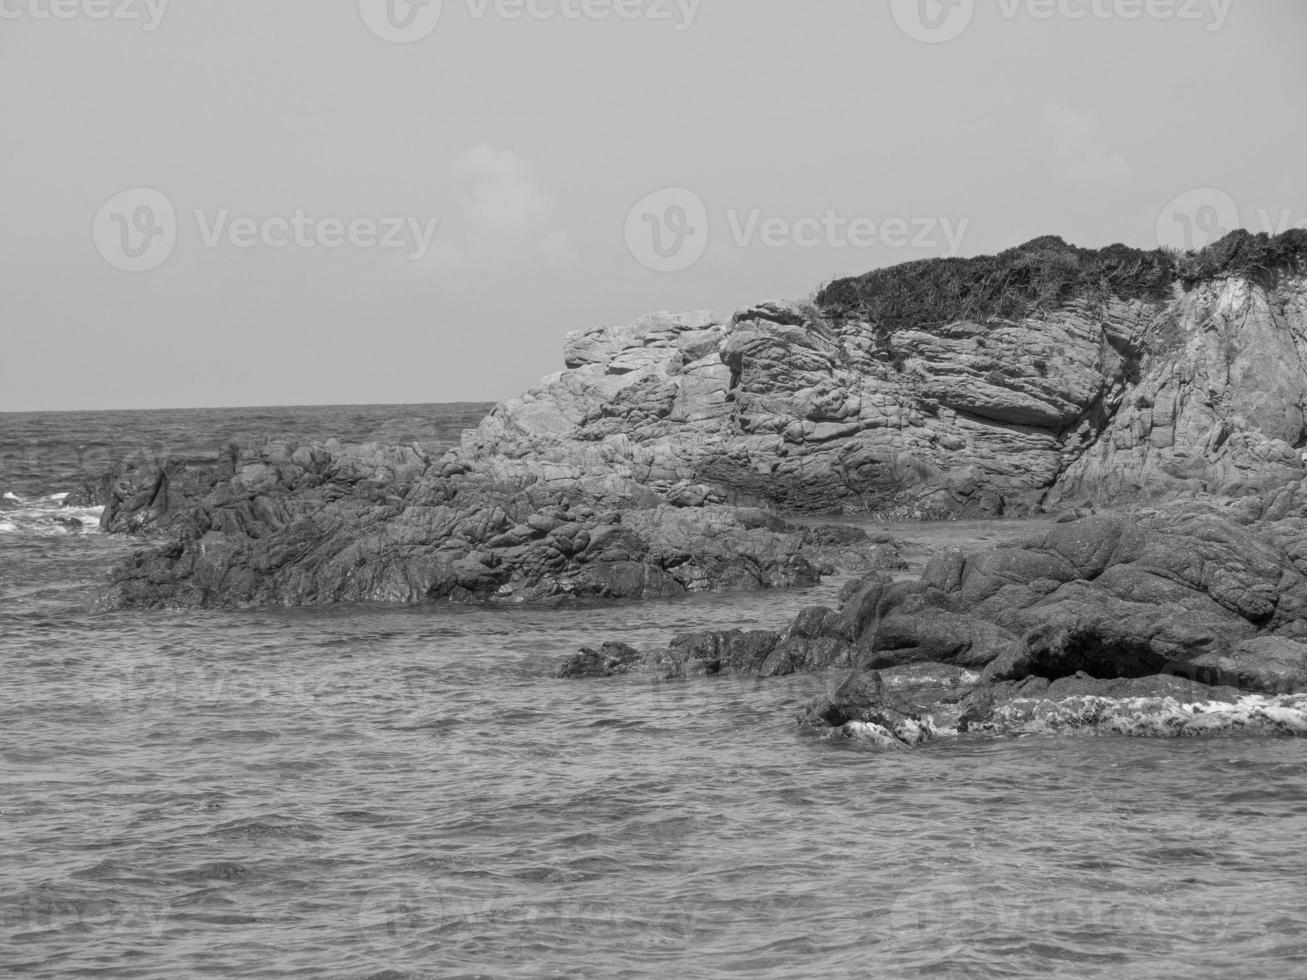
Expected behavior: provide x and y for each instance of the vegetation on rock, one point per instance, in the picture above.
(1044, 274)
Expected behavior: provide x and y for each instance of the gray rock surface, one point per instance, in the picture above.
(1116, 377)
(1100, 402)
(287, 524)
(1185, 619)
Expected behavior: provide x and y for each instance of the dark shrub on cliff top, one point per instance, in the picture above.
(1044, 274)
(1261, 257)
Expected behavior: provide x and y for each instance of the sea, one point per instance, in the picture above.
(381, 792)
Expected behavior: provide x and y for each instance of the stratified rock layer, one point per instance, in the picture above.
(1074, 377)
(1100, 398)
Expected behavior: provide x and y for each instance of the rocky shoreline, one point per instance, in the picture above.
(1158, 402)
(1180, 620)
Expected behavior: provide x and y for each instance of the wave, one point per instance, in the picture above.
(45, 516)
(1252, 715)
(1154, 717)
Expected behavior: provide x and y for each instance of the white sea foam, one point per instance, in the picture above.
(1253, 714)
(48, 519)
(1143, 717)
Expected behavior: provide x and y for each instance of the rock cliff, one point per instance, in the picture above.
(1064, 375)
(1046, 376)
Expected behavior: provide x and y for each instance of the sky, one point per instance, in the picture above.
(297, 202)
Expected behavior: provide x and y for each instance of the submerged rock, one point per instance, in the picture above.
(861, 709)
(609, 660)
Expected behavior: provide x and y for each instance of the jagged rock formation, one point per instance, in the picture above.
(1045, 376)
(1185, 619)
(1196, 601)
(288, 524)
(1151, 383)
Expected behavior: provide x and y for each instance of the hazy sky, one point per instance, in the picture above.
(251, 158)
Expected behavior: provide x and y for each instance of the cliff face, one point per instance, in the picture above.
(1039, 378)
(1102, 399)
(1220, 403)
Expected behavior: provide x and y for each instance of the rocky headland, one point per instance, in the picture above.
(1156, 400)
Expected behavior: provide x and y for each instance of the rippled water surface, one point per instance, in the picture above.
(370, 791)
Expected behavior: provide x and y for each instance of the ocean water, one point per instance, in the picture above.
(380, 792)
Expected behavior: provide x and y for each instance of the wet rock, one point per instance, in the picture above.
(1180, 590)
(609, 660)
(1187, 619)
(862, 709)
(938, 637)
(1265, 664)
(715, 652)
(1152, 707)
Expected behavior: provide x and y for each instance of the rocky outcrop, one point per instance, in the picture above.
(287, 524)
(1219, 406)
(1045, 376)
(1130, 622)
(1140, 382)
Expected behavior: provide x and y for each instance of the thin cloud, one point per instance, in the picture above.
(1073, 141)
(506, 199)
